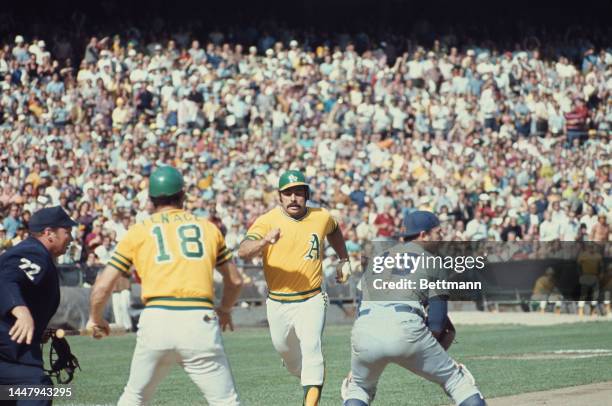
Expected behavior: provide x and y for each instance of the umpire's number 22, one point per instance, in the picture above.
(190, 242)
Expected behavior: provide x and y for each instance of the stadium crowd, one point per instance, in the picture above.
(503, 144)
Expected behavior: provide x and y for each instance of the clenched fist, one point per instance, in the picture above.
(272, 236)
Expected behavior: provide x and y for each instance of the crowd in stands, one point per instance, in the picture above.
(504, 144)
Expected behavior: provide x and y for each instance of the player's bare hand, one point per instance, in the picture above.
(23, 329)
(225, 319)
(273, 236)
(343, 271)
(98, 328)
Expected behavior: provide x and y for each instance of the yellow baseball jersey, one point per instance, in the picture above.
(293, 265)
(543, 286)
(174, 253)
(590, 262)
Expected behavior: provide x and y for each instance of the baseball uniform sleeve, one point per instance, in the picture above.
(123, 256)
(223, 253)
(438, 274)
(14, 275)
(331, 226)
(258, 230)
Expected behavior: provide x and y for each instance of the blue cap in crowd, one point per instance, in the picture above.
(50, 217)
(418, 221)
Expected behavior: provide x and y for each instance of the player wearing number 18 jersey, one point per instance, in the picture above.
(175, 254)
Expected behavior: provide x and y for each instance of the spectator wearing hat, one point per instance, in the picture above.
(30, 295)
(20, 52)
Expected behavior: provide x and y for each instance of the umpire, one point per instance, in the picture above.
(30, 295)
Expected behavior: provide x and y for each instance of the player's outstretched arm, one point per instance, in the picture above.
(253, 248)
(100, 293)
(336, 240)
(343, 269)
(232, 285)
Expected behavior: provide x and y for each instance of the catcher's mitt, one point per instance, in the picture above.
(447, 336)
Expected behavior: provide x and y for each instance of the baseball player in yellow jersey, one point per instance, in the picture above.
(291, 238)
(174, 253)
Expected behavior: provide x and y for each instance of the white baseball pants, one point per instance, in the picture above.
(121, 309)
(296, 330)
(166, 337)
(385, 336)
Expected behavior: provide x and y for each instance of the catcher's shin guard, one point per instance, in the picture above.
(312, 395)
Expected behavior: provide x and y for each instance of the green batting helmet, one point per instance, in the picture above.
(291, 179)
(165, 181)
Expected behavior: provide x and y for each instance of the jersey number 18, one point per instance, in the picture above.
(190, 237)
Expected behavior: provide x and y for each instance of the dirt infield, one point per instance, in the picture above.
(597, 394)
(550, 355)
(527, 319)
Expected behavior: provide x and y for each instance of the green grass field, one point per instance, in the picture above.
(261, 380)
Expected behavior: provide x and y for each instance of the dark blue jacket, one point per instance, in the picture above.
(28, 276)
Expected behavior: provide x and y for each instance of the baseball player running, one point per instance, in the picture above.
(174, 253)
(290, 238)
(395, 331)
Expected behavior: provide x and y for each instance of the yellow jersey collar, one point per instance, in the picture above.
(292, 218)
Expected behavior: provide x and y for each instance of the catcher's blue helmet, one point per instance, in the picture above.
(418, 221)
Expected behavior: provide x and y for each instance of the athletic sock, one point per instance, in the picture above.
(312, 395)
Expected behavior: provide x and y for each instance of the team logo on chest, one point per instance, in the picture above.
(314, 250)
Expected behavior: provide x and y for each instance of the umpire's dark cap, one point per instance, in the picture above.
(418, 221)
(50, 217)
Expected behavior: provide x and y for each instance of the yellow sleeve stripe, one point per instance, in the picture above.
(223, 253)
(256, 235)
(126, 259)
(251, 237)
(120, 262)
(223, 259)
(119, 269)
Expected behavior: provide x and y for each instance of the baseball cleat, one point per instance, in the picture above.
(345, 387)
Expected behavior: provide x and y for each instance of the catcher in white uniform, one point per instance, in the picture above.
(393, 330)
(291, 240)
